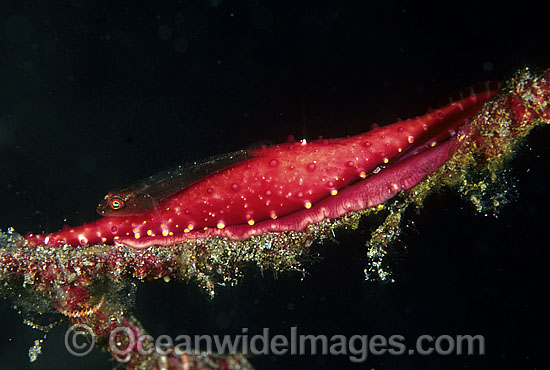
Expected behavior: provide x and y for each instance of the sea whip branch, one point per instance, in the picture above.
(82, 283)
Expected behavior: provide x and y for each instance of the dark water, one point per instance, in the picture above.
(95, 95)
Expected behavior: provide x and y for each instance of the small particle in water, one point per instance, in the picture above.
(164, 32)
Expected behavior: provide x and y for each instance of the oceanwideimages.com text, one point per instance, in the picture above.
(123, 340)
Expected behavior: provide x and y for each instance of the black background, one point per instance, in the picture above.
(96, 94)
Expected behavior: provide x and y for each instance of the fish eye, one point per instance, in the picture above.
(116, 204)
